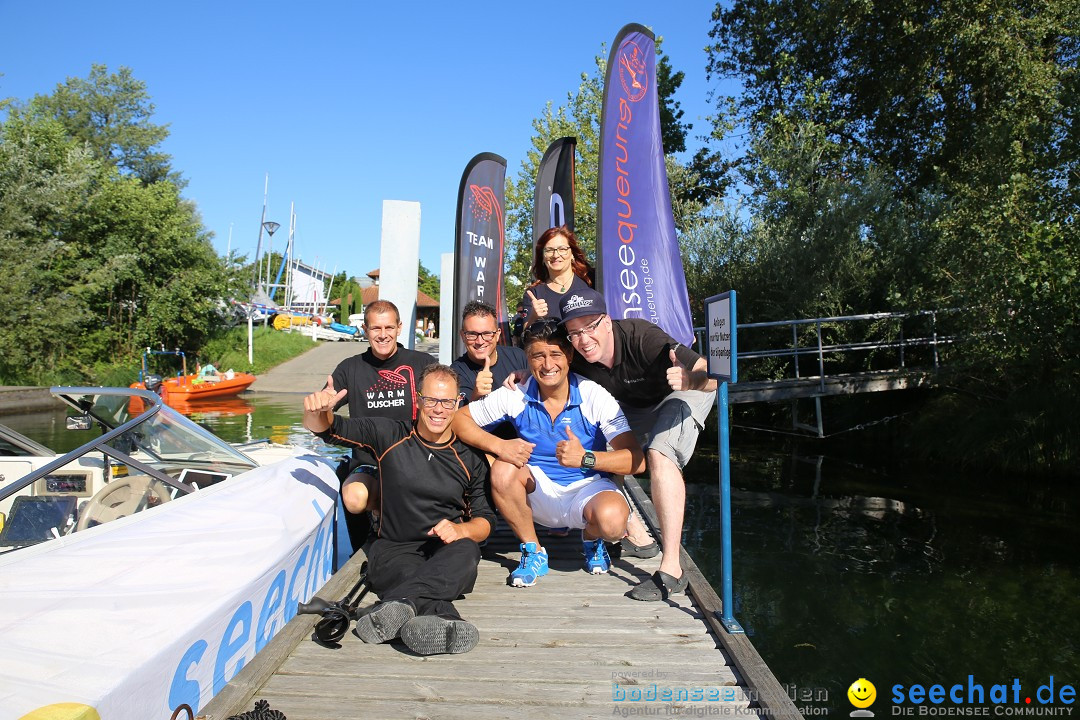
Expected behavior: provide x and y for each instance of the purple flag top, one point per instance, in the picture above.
(478, 260)
(639, 267)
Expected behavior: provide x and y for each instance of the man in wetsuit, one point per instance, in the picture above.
(381, 382)
(431, 498)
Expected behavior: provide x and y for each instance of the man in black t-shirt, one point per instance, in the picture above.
(485, 364)
(431, 498)
(666, 395)
(381, 382)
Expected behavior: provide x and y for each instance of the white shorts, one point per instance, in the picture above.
(556, 505)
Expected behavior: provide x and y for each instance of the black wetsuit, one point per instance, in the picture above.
(377, 388)
(421, 483)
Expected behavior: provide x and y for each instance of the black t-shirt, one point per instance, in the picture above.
(638, 374)
(510, 359)
(421, 482)
(554, 299)
(380, 388)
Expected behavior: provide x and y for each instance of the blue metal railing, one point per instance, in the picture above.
(817, 346)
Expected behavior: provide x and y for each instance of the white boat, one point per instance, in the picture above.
(142, 570)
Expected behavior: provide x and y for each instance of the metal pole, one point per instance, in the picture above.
(820, 359)
(727, 616)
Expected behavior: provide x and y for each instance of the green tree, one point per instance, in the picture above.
(111, 113)
(580, 117)
(44, 177)
(100, 260)
(929, 150)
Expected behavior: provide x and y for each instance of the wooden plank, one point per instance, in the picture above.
(515, 690)
(565, 648)
(553, 671)
(619, 659)
(310, 708)
(763, 685)
(237, 693)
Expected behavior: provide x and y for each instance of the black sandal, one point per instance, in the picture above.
(659, 586)
(629, 549)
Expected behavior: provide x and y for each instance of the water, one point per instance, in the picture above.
(844, 571)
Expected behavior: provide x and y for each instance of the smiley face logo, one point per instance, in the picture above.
(862, 693)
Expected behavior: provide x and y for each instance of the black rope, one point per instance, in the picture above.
(262, 711)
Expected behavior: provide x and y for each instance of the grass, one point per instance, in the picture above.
(270, 348)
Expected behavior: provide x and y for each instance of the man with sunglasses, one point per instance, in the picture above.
(431, 496)
(556, 473)
(381, 382)
(666, 394)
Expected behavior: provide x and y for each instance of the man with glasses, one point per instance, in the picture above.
(485, 364)
(381, 382)
(431, 496)
(666, 394)
(556, 473)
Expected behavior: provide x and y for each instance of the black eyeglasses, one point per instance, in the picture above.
(431, 402)
(560, 251)
(589, 329)
(487, 334)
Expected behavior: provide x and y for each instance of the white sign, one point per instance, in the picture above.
(720, 335)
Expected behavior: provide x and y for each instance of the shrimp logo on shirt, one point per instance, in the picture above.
(392, 389)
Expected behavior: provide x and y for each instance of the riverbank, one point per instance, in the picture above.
(301, 374)
(20, 399)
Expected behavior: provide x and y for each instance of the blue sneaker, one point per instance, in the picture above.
(597, 560)
(533, 566)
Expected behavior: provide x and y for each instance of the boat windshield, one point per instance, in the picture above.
(161, 434)
(139, 454)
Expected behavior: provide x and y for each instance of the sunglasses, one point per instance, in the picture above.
(542, 328)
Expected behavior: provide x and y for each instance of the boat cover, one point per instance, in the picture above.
(132, 618)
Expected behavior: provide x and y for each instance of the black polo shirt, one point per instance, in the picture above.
(638, 374)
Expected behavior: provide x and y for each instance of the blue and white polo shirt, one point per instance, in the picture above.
(591, 413)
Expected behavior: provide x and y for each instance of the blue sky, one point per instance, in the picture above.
(343, 104)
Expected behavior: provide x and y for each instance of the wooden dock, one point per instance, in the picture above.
(572, 646)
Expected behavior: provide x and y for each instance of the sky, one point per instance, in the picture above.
(343, 104)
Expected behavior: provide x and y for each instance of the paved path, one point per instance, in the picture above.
(307, 373)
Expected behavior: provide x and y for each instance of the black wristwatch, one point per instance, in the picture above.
(588, 460)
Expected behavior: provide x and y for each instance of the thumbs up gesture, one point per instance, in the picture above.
(569, 451)
(319, 406)
(678, 377)
(539, 307)
(484, 380)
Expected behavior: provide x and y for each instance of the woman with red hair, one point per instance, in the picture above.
(560, 267)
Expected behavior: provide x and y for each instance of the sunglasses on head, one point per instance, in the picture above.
(544, 328)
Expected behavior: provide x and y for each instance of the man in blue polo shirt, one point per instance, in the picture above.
(556, 471)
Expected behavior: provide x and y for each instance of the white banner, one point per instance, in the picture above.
(133, 618)
(306, 290)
